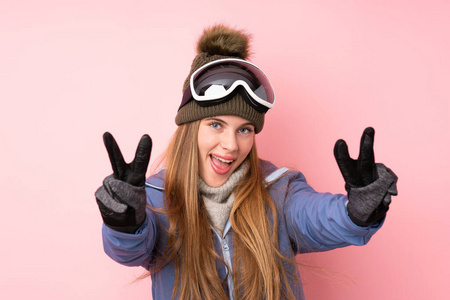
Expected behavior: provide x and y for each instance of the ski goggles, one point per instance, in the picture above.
(216, 81)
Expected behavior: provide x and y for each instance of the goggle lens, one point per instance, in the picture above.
(218, 79)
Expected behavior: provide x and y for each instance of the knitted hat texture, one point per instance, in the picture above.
(219, 42)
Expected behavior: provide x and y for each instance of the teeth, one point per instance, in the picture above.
(222, 160)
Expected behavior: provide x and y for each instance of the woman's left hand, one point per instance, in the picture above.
(369, 185)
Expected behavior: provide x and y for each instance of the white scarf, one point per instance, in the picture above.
(219, 200)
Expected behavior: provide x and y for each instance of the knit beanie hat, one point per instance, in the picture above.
(219, 42)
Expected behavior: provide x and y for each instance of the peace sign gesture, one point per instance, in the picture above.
(369, 185)
(359, 172)
(121, 198)
(134, 172)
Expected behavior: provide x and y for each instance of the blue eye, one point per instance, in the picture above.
(245, 130)
(215, 125)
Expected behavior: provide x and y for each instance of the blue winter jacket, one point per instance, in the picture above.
(308, 222)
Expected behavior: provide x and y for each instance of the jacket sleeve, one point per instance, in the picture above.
(132, 249)
(319, 221)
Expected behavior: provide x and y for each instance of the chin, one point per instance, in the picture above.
(216, 181)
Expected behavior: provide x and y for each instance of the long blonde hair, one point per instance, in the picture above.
(258, 271)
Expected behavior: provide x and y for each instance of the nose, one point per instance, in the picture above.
(228, 141)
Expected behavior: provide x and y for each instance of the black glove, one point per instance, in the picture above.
(121, 198)
(369, 185)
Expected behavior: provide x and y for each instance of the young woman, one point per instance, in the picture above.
(217, 222)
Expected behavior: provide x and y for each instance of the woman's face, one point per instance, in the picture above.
(223, 144)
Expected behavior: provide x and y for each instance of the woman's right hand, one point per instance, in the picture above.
(121, 198)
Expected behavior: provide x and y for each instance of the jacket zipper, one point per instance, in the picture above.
(227, 258)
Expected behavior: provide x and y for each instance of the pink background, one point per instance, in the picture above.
(70, 70)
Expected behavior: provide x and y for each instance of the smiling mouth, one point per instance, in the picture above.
(227, 161)
(220, 165)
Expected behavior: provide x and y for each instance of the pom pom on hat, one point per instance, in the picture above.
(218, 42)
(225, 41)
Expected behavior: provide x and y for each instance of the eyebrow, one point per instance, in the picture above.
(220, 120)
